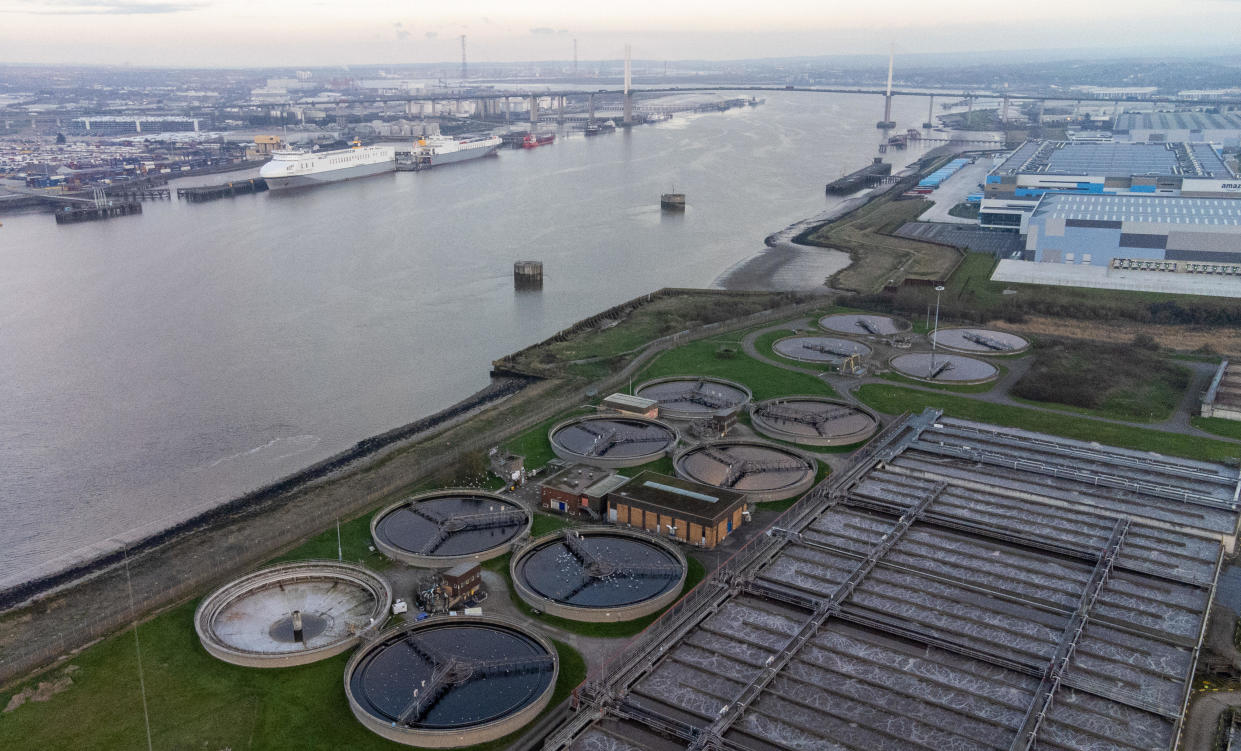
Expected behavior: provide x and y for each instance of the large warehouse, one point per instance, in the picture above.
(1102, 230)
(959, 586)
(1036, 168)
(1223, 128)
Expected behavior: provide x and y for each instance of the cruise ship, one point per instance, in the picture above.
(297, 168)
(438, 150)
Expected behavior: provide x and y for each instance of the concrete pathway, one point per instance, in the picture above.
(1203, 716)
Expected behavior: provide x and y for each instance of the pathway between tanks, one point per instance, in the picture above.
(1203, 716)
(1179, 422)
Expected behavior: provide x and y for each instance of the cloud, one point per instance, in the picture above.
(543, 30)
(432, 34)
(99, 7)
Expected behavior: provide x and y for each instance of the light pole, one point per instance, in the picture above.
(939, 288)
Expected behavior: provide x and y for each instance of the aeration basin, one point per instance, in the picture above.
(598, 574)
(451, 681)
(603, 441)
(823, 349)
(862, 324)
(692, 397)
(447, 527)
(813, 420)
(944, 368)
(292, 613)
(980, 341)
(763, 471)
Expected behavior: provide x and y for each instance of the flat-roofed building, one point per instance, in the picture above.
(669, 506)
(628, 404)
(1036, 168)
(579, 489)
(1144, 230)
(1223, 128)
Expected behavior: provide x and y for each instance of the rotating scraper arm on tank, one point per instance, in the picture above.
(698, 394)
(829, 349)
(452, 670)
(986, 341)
(739, 469)
(817, 420)
(606, 440)
(596, 566)
(504, 517)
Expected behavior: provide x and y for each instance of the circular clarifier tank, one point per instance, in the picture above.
(824, 349)
(447, 527)
(691, 397)
(598, 574)
(292, 613)
(944, 368)
(813, 421)
(980, 341)
(451, 681)
(864, 324)
(763, 471)
(603, 441)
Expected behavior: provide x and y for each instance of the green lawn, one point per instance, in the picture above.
(699, 359)
(198, 702)
(1218, 426)
(895, 400)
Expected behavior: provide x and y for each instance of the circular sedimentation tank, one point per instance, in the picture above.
(598, 574)
(692, 397)
(447, 527)
(763, 471)
(980, 341)
(814, 420)
(451, 681)
(864, 324)
(944, 368)
(824, 349)
(292, 613)
(608, 441)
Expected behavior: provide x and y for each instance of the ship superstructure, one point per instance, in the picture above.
(296, 168)
(437, 150)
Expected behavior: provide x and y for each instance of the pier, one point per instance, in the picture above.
(227, 190)
(70, 215)
(867, 177)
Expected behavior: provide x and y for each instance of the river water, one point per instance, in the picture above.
(151, 366)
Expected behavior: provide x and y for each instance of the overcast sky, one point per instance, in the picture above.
(317, 32)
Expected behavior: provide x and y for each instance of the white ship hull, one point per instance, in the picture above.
(300, 169)
(464, 154)
(329, 176)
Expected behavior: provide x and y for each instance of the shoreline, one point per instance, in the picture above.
(785, 264)
(47, 578)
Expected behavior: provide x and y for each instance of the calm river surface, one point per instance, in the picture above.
(153, 365)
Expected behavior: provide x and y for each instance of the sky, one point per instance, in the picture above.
(214, 33)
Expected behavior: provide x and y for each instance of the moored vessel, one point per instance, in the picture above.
(533, 140)
(298, 168)
(439, 150)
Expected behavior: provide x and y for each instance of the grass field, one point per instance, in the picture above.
(895, 400)
(699, 358)
(1218, 426)
(198, 702)
(878, 256)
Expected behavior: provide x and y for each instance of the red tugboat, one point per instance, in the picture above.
(531, 140)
